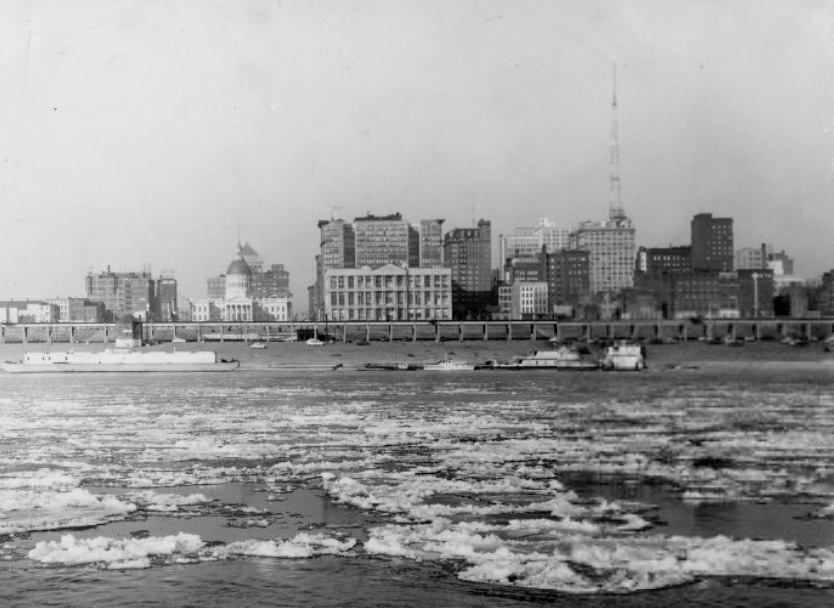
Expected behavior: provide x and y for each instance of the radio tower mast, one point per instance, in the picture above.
(616, 213)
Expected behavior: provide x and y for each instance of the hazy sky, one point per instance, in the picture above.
(138, 133)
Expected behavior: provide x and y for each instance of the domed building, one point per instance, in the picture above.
(238, 304)
(235, 297)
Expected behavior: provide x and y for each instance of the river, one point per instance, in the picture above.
(418, 489)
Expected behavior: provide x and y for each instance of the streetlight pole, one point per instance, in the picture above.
(755, 276)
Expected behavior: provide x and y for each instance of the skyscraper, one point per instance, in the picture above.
(468, 252)
(431, 243)
(382, 240)
(123, 293)
(528, 241)
(712, 243)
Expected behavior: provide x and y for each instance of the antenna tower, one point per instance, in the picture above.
(615, 204)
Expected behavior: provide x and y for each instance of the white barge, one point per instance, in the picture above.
(122, 358)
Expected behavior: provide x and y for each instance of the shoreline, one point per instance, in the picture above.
(294, 356)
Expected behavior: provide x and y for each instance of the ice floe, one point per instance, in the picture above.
(128, 553)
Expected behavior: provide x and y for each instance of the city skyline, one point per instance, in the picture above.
(142, 133)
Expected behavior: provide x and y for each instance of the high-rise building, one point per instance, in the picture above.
(252, 259)
(124, 293)
(274, 282)
(528, 241)
(712, 243)
(166, 298)
(611, 248)
(338, 244)
(468, 252)
(664, 260)
(431, 244)
(568, 277)
(382, 240)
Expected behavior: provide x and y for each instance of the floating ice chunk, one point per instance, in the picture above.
(113, 553)
(42, 479)
(166, 503)
(302, 546)
(48, 510)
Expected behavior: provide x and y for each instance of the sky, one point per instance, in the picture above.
(137, 134)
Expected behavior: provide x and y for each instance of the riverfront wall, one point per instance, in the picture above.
(672, 330)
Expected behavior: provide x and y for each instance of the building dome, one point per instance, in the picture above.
(239, 266)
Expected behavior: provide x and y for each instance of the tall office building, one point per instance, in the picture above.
(568, 277)
(274, 282)
(611, 249)
(468, 252)
(664, 260)
(431, 244)
(338, 244)
(166, 297)
(252, 259)
(123, 293)
(528, 241)
(712, 243)
(382, 240)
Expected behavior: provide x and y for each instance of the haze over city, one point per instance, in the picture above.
(139, 133)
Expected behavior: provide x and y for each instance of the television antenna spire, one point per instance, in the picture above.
(615, 203)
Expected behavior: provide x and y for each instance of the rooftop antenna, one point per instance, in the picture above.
(615, 204)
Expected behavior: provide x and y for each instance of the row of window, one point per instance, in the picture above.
(418, 298)
(389, 314)
(388, 281)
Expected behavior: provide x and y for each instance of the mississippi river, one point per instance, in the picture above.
(347, 488)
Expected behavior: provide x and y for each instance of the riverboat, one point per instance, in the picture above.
(560, 358)
(448, 365)
(624, 356)
(399, 366)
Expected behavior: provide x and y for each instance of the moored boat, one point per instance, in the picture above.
(560, 358)
(120, 360)
(449, 365)
(624, 356)
(388, 366)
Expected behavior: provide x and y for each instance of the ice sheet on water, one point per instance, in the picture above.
(303, 545)
(126, 553)
(578, 559)
(150, 500)
(26, 510)
(114, 553)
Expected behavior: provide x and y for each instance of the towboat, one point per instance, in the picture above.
(448, 365)
(561, 358)
(622, 356)
(400, 366)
